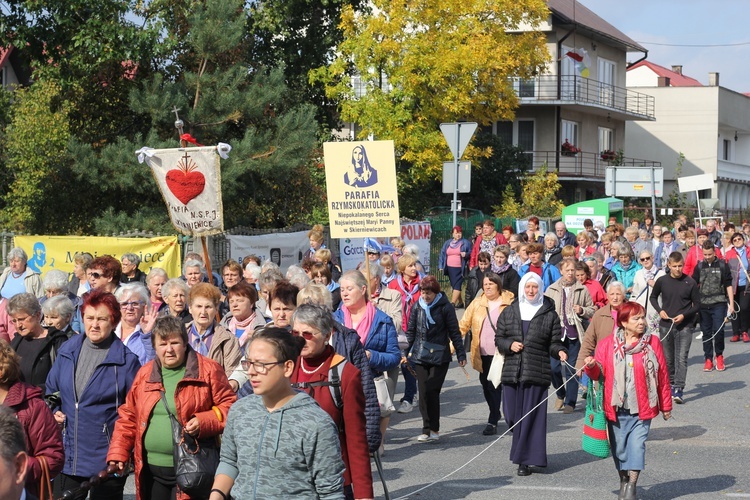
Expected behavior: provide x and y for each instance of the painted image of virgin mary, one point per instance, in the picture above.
(361, 174)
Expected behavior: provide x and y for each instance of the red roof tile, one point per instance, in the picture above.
(675, 79)
(4, 54)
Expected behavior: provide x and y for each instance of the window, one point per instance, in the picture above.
(505, 132)
(570, 132)
(726, 150)
(606, 71)
(606, 139)
(3, 83)
(570, 81)
(526, 88)
(526, 135)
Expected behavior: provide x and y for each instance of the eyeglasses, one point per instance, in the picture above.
(259, 367)
(96, 276)
(304, 335)
(130, 305)
(738, 239)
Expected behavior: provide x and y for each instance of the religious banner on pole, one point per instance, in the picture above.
(361, 188)
(190, 183)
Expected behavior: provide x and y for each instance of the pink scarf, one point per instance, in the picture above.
(234, 324)
(363, 328)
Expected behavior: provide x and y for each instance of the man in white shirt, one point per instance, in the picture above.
(656, 240)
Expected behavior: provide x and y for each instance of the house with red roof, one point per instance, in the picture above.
(708, 124)
(14, 70)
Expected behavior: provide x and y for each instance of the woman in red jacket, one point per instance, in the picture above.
(337, 387)
(197, 393)
(636, 388)
(43, 438)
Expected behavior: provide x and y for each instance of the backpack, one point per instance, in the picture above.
(333, 383)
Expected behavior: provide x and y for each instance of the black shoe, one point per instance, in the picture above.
(629, 492)
(524, 470)
(490, 430)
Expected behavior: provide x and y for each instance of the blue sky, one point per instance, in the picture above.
(687, 22)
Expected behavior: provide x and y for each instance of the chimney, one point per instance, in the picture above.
(677, 68)
(663, 81)
(713, 79)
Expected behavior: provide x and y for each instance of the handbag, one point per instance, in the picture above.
(195, 461)
(495, 374)
(430, 353)
(384, 395)
(595, 438)
(45, 482)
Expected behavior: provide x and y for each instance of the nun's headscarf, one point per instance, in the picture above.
(530, 307)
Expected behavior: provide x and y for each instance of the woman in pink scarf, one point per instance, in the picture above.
(242, 319)
(375, 330)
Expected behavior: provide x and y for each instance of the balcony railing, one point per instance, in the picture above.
(583, 164)
(576, 89)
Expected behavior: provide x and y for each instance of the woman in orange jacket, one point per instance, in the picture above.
(197, 393)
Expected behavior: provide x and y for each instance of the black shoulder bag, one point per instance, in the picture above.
(195, 462)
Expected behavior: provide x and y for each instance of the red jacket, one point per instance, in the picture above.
(203, 392)
(605, 361)
(42, 433)
(350, 421)
(499, 240)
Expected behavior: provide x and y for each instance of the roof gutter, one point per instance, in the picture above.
(645, 55)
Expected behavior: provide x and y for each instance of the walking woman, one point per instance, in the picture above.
(454, 256)
(278, 443)
(643, 284)
(180, 382)
(636, 389)
(432, 327)
(528, 334)
(481, 319)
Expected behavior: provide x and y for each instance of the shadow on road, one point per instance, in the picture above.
(682, 487)
(676, 433)
(453, 490)
(703, 390)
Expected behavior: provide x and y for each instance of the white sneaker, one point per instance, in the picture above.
(405, 407)
(699, 336)
(432, 438)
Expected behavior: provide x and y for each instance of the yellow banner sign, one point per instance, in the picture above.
(361, 187)
(57, 252)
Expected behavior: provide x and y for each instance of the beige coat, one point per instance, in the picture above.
(225, 348)
(602, 324)
(581, 297)
(389, 301)
(473, 319)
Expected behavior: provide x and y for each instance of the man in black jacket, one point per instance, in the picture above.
(714, 281)
(680, 303)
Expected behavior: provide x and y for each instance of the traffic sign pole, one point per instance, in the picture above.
(455, 184)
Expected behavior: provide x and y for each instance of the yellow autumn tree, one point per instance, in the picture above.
(419, 63)
(539, 194)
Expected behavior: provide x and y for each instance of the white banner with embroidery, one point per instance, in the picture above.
(190, 182)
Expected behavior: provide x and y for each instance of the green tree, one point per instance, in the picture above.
(421, 63)
(539, 194)
(510, 206)
(36, 153)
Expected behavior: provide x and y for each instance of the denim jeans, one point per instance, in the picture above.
(676, 348)
(711, 319)
(562, 371)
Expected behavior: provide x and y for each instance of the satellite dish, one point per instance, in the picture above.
(709, 204)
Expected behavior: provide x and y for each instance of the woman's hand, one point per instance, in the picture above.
(59, 417)
(563, 356)
(404, 360)
(193, 427)
(667, 415)
(148, 319)
(462, 363)
(516, 347)
(120, 466)
(578, 309)
(589, 361)
(368, 354)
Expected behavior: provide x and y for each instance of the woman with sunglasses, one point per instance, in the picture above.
(278, 443)
(643, 284)
(337, 387)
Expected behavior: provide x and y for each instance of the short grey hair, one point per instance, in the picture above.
(357, 278)
(254, 270)
(269, 278)
(616, 284)
(297, 276)
(625, 250)
(24, 302)
(552, 236)
(315, 315)
(156, 272)
(192, 263)
(166, 290)
(18, 253)
(646, 251)
(376, 270)
(315, 293)
(412, 249)
(133, 290)
(12, 437)
(59, 304)
(56, 280)
(132, 258)
(269, 265)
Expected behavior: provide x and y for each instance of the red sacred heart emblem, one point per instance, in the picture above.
(185, 181)
(591, 418)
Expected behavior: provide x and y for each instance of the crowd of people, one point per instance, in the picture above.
(297, 372)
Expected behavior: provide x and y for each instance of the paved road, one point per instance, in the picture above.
(703, 453)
